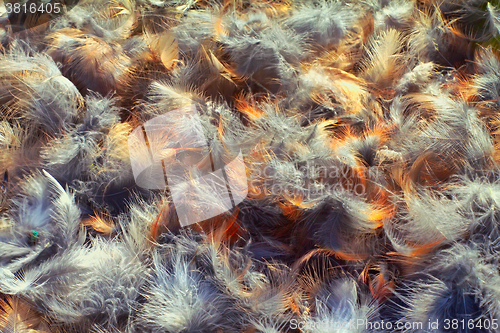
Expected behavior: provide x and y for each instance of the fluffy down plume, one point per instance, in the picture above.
(322, 23)
(340, 304)
(460, 286)
(35, 92)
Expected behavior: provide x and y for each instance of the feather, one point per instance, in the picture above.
(191, 32)
(191, 301)
(96, 150)
(113, 272)
(435, 39)
(34, 91)
(46, 219)
(19, 317)
(323, 23)
(337, 307)
(460, 286)
(416, 79)
(333, 89)
(334, 223)
(34, 206)
(90, 62)
(477, 199)
(208, 75)
(263, 51)
(169, 96)
(485, 80)
(493, 19)
(5, 181)
(480, 19)
(393, 14)
(427, 220)
(165, 45)
(384, 63)
(100, 224)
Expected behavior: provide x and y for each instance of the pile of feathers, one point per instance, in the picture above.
(371, 142)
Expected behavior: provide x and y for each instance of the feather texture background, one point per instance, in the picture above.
(369, 132)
